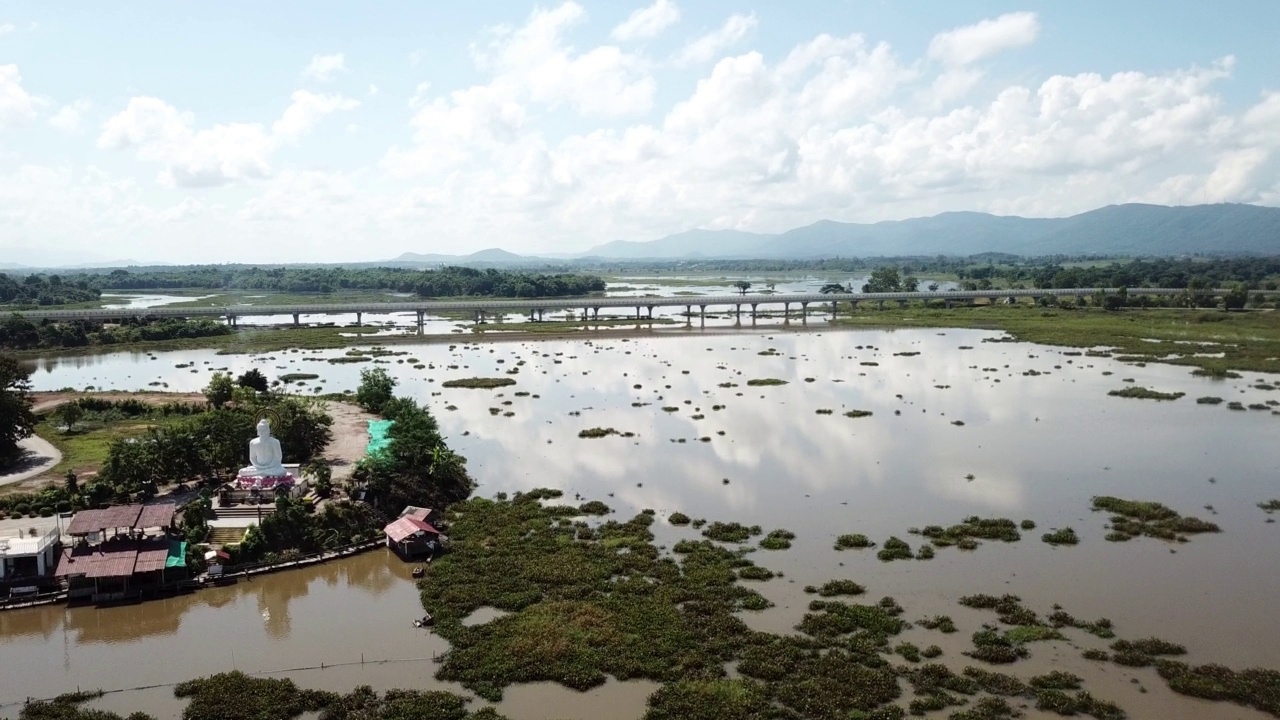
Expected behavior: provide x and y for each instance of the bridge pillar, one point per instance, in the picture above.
(703, 314)
(786, 313)
(688, 315)
(359, 319)
(834, 309)
(948, 304)
(804, 313)
(650, 312)
(753, 313)
(853, 306)
(295, 320)
(738, 314)
(540, 311)
(421, 321)
(880, 304)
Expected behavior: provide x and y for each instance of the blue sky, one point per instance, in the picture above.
(332, 131)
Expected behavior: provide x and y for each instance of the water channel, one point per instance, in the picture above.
(1032, 445)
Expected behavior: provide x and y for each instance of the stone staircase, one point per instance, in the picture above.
(243, 511)
(226, 535)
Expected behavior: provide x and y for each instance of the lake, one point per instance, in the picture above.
(1039, 437)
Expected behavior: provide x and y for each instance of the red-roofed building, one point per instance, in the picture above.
(410, 536)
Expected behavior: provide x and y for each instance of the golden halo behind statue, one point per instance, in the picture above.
(271, 416)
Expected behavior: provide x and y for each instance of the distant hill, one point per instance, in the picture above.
(1132, 229)
(496, 256)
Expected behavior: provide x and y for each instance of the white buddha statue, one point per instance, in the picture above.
(265, 455)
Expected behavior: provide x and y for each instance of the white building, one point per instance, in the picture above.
(26, 556)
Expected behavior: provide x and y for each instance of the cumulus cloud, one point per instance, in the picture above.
(968, 44)
(325, 67)
(6, 28)
(214, 156)
(647, 22)
(15, 102)
(704, 48)
(69, 117)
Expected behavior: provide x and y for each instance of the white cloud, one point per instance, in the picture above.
(218, 155)
(305, 112)
(705, 48)
(647, 22)
(373, 90)
(325, 67)
(971, 43)
(6, 28)
(70, 116)
(15, 102)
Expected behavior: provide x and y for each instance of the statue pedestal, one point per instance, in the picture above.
(246, 480)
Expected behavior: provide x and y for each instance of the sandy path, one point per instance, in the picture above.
(40, 457)
(350, 438)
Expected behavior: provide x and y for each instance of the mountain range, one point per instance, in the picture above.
(1129, 230)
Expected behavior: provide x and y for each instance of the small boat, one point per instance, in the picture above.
(424, 622)
(419, 572)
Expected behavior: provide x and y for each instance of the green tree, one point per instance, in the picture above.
(16, 419)
(71, 483)
(320, 471)
(743, 286)
(884, 279)
(68, 414)
(832, 288)
(253, 378)
(1236, 297)
(219, 390)
(375, 390)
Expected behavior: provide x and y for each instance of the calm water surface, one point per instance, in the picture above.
(1037, 446)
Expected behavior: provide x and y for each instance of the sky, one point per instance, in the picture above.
(327, 131)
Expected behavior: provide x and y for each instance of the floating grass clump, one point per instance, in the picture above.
(598, 432)
(594, 507)
(478, 383)
(1061, 536)
(858, 414)
(765, 382)
(1028, 525)
(1101, 627)
(678, 518)
(1141, 393)
(1270, 506)
(894, 548)
(995, 648)
(853, 541)
(966, 534)
(778, 540)
(1208, 400)
(941, 623)
(832, 588)
(295, 377)
(1257, 688)
(1132, 518)
(731, 532)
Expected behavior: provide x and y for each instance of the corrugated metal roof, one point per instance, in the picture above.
(402, 528)
(74, 561)
(118, 516)
(152, 555)
(114, 559)
(158, 515)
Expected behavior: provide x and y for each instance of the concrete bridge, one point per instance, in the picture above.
(590, 305)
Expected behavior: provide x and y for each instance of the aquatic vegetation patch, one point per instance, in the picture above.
(832, 588)
(1008, 608)
(987, 708)
(972, 529)
(853, 541)
(1142, 393)
(1132, 518)
(1101, 627)
(598, 432)
(765, 382)
(778, 540)
(731, 532)
(678, 518)
(858, 414)
(1208, 400)
(478, 383)
(594, 507)
(941, 623)
(1061, 536)
(1081, 703)
(739, 699)
(1270, 506)
(895, 548)
(1256, 687)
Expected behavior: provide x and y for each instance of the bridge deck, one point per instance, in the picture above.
(534, 304)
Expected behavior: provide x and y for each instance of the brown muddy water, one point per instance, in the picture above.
(1037, 447)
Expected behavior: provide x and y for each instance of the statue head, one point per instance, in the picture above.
(264, 429)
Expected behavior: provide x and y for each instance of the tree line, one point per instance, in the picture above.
(443, 282)
(35, 290)
(19, 333)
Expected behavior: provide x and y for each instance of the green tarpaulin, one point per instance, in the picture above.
(177, 554)
(378, 435)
